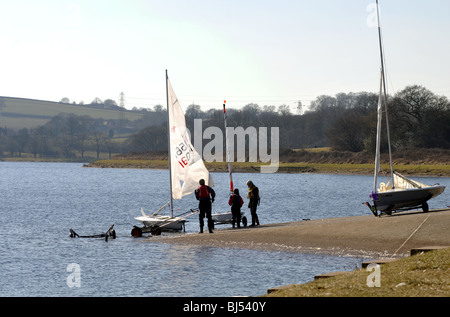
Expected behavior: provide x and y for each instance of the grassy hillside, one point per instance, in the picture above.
(18, 113)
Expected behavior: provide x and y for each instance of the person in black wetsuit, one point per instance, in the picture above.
(236, 203)
(205, 195)
(253, 195)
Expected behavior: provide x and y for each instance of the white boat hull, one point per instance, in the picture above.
(403, 199)
(163, 222)
(223, 218)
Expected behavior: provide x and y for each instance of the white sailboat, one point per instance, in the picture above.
(399, 193)
(186, 168)
(227, 217)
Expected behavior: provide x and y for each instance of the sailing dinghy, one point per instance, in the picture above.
(186, 168)
(399, 193)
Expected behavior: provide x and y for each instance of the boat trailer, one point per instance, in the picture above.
(110, 233)
(156, 230)
(390, 211)
(227, 218)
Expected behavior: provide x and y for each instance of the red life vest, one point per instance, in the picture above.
(203, 191)
(235, 201)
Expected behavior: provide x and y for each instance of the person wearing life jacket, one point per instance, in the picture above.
(205, 195)
(253, 195)
(236, 203)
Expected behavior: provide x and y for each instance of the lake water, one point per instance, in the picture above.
(41, 201)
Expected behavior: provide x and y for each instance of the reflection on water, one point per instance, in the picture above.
(41, 201)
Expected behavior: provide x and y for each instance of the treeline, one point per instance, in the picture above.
(418, 119)
(63, 136)
(70, 136)
(111, 104)
(344, 122)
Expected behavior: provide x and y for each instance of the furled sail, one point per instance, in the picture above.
(187, 167)
(402, 182)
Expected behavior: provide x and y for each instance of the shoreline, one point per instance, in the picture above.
(357, 236)
(425, 170)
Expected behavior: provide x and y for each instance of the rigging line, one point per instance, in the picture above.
(412, 234)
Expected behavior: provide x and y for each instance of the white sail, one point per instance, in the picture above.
(187, 167)
(402, 182)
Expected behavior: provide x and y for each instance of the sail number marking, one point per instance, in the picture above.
(182, 154)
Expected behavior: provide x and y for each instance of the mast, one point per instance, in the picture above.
(227, 147)
(378, 138)
(383, 79)
(168, 143)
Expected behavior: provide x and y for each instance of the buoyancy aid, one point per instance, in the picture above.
(253, 196)
(203, 192)
(235, 201)
(253, 193)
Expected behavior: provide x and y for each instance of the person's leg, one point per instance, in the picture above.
(234, 218)
(201, 216)
(208, 215)
(256, 216)
(252, 213)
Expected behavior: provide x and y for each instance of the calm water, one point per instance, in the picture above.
(41, 201)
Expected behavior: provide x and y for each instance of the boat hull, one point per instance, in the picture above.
(405, 199)
(224, 218)
(162, 222)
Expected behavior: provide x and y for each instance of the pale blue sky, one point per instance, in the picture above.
(267, 52)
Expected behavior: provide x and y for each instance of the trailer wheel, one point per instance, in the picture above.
(425, 207)
(136, 232)
(244, 221)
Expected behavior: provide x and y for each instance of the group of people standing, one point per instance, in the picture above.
(206, 195)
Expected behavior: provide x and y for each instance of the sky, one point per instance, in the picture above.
(269, 52)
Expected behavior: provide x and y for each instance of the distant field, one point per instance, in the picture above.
(18, 113)
(248, 167)
(315, 150)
